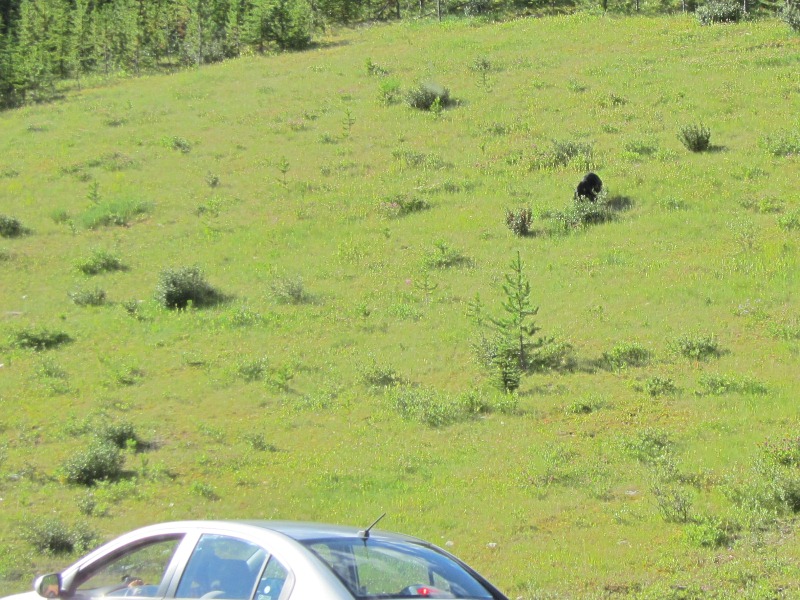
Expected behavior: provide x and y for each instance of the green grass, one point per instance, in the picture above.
(345, 344)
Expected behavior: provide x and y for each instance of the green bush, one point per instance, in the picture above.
(719, 11)
(443, 256)
(52, 536)
(650, 445)
(519, 221)
(39, 339)
(437, 409)
(626, 354)
(790, 221)
(659, 386)
(184, 286)
(11, 227)
(582, 213)
(121, 434)
(425, 95)
(695, 137)
(784, 452)
(95, 297)
(563, 153)
(717, 384)
(101, 461)
(707, 532)
(289, 290)
(782, 143)
(100, 261)
(401, 205)
(696, 346)
(119, 213)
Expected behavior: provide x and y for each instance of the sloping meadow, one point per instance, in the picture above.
(273, 289)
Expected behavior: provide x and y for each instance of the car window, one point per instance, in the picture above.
(383, 569)
(137, 572)
(274, 581)
(222, 567)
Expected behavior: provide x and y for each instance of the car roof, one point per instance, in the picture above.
(304, 531)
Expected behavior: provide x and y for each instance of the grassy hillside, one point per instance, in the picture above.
(348, 237)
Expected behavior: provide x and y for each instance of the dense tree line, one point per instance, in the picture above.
(45, 41)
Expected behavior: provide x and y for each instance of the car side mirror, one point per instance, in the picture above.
(48, 586)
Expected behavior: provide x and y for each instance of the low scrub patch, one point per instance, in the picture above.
(99, 261)
(782, 143)
(11, 227)
(699, 346)
(401, 205)
(93, 297)
(428, 95)
(54, 537)
(564, 153)
(181, 287)
(626, 354)
(121, 213)
(437, 409)
(37, 338)
(101, 461)
(718, 384)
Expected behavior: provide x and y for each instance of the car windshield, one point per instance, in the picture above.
(385, 569)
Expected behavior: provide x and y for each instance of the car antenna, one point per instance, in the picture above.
(364, 534)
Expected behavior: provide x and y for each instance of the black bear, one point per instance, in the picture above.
(589, 187)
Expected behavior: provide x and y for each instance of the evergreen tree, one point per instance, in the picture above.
(515, 328)
(283, 23)
(234, 22)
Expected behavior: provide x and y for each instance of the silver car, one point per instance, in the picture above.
(264, 560)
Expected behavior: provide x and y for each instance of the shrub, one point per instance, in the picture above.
(444, 257)
(102, 460)
(289, 290)
(519, 221)
(100, 261)
(790, 221)
(253, 370)
(95, 297)
(259, 443)
(182, 286)
(582, 213)
(659, 386)
(39, 339)
(119, 213)
(401, 205)
(784, 452)
(436, 409)
(695, 137)
(52, 536)
(782, 143)
(121, 434)
(626, 354)
(696, 346)
(563, 153)
(178, 143)
(389, 91)
(379, 376)
(717, 384)
(425, 95)
(707, 532)
(649, 446)
(11, 227)
(719, 11)
(790, 14)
